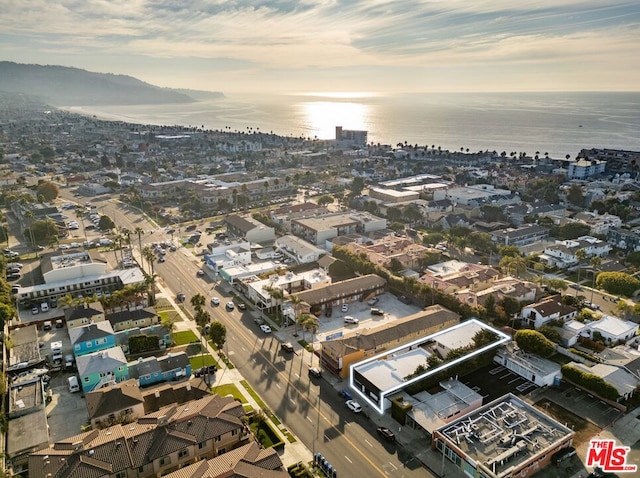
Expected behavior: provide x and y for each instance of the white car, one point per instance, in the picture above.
(265, 328)
(353, 406)
(64, 247)
(345, 308)
(350, 320)
(215, 301)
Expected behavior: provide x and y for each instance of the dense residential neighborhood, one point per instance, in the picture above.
(164, 287)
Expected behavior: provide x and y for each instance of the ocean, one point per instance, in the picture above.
(554, 123)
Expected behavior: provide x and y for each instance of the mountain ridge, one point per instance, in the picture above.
(70, 86)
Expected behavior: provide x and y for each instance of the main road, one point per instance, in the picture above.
(310, 408)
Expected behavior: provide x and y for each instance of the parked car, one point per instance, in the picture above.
(315, 372)
(404, 299)
(207, 369)
(376, 311)
(345, 393)
(265, 328)
(181, 297)
(345, 308)
(353, 406)
(286, 346)
(200, 273)
(35, 309)
(350, 320)
(386, 434)
(230, 306)
(215, 301)
(242, 306)
(373, 301)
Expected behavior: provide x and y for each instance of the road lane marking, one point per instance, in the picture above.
(309, 418)
(394, 466)
(348, 459)
(367, 442)
(278, 386)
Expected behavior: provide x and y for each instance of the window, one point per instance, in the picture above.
(165, 461)
(183, 453)
(76, 347)
(88, 345)
(234, 432)
(121, 474)
(101, 341)
(218, 438)
(201, 445)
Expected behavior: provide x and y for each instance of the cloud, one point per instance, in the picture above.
(343, 37)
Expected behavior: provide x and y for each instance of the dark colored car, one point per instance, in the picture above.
(345, 394)
(180, 297)
(192, 227)
(211, 369)
(404, 299)
(386, 434)
(315, 372)
(287, 347)
(375, 311)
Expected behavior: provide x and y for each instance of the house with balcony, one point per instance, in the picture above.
(100, 369)
(550, 308)
(92, 338)
(153, 445)
(627, 240)
(520, 236)
(150, 370)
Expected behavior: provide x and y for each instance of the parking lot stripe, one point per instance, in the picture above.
(506, 375)
(496, 370)
(515, 380)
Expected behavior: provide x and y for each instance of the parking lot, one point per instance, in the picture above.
(391, 307)
(493, 381)
(584, 404)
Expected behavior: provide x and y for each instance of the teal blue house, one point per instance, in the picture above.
(101, 369)
(92, 338)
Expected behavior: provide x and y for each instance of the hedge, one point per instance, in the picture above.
(591, 382)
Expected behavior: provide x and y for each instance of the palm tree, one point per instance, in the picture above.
(139, 231)
(80, 215)
(295, 303)
(595, 263)
(169, 323)
(581, 255)
(198, 301)
(150, 286)
(309, 322)
(148, 254)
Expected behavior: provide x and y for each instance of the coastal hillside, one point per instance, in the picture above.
(65, 86)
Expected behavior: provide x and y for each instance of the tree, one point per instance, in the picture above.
(581, 255)
(198, 301)
(534, 342)
(169, 323)
(357, 185)
(575, 196)
(139, 231)
(48, 190)
(618, 283)
(218, 334)
(324, 200)
(309, 322)
(395, 265)
(511, 305)
(106, 223)
(509, 251)
(557, 284)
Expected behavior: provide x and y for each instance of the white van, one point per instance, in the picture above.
(72, 382)
(44, 307)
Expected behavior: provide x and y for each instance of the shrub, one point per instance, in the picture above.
(590, 381)
(534, 342)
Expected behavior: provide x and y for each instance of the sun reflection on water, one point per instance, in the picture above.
(322, 117)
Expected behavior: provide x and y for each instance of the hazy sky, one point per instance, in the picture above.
(340, 45)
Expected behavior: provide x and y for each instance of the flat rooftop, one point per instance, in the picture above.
(393, 370)
(505, 433)
(386, 371)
